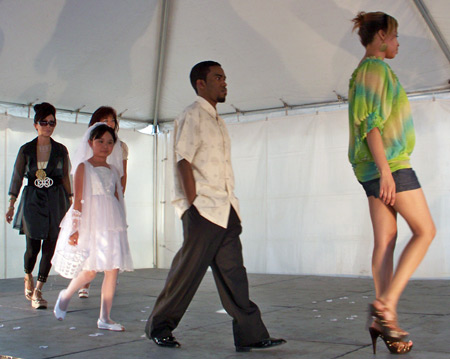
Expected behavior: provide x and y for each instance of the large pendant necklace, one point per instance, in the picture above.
(40, 174)
(44, 151)
(41, 177)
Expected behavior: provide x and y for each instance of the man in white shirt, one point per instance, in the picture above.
(204, 199)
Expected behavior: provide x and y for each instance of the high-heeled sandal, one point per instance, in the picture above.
(29, 287)
(389, 327)
(393, 345)
(37, 302)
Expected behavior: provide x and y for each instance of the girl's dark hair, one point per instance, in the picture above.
(200, 71)
(100, 130)
(102, 113)
(369, 23)
(42, 110)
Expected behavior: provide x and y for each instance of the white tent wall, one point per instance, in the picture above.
(302, 209)
(15, 131)
(170, 233)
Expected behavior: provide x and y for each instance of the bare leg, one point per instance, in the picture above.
(108, 290)
(75, 284)
(412, 206)
(384, 223)
(86, 286)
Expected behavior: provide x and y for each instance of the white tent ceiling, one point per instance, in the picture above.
(83, 54)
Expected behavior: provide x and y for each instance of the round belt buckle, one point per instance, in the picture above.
(47, 182)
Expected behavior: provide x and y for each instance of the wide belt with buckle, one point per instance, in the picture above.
(45, 182)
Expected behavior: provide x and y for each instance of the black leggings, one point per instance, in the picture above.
(30, 257)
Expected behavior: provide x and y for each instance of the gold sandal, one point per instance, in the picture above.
(29, 287)
(37, 302)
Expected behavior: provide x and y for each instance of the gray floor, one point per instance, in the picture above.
(320, 317)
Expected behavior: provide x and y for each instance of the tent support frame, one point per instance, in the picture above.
(318, 105)
(161, 62)
(433, 27)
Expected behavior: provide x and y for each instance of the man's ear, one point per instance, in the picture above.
(201, 84)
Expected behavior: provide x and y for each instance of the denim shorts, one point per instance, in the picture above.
(405, 180)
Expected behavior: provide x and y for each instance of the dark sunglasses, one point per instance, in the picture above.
(45, 123)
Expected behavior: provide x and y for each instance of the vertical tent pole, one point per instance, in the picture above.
(156, 102)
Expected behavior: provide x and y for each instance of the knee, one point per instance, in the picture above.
(90, 275)
(386, 243)
(32, 252)
(30, 255)
(426, 231)
(111, 274)
(432, 232)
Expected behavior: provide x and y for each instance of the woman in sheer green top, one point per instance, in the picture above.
(381, 141)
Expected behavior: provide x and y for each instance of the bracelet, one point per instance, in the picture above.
(11, 207)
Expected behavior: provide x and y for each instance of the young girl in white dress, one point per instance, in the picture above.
(108, 115)
(95, 223)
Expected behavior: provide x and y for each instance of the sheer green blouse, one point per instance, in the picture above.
(377, 99)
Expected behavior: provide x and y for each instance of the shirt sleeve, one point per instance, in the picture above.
(187, 138)
(18, 173)
(373, 97)
(67, 178)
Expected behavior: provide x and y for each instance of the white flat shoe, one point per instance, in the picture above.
(115, 327)
(59, 314)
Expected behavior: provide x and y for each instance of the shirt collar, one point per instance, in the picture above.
(207, 106)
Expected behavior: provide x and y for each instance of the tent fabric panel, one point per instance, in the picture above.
(85, 54)
(304, 211)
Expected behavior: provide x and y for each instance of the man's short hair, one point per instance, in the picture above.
(200, 71)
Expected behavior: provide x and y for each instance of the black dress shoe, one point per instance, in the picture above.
(169, 342)
(263, 344)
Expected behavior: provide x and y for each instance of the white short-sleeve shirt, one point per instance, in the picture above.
(201, 138)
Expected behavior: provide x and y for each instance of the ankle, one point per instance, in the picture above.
(63, 303)
(389, 304)
(376, 325)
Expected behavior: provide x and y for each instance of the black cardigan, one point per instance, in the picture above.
(41, 210)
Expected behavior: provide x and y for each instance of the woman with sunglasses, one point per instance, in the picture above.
(44, 201)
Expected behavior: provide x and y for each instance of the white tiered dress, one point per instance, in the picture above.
(103, 228)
